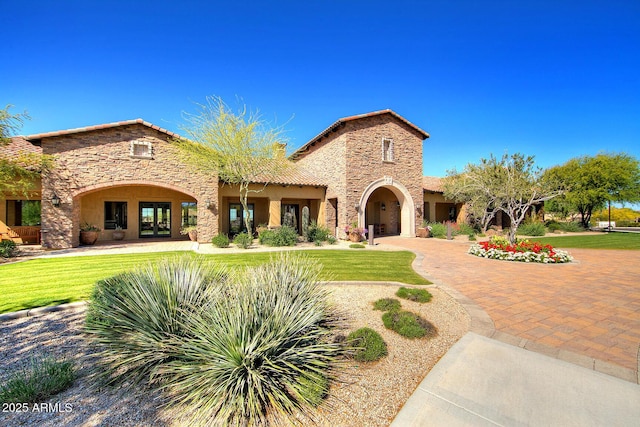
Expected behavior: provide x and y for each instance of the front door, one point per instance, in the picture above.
(155, 219)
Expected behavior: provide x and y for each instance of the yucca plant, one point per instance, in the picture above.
(235, 349)
(264, 352)
(132, 316)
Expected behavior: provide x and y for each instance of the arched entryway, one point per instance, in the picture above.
(402, 205)
(137, 210)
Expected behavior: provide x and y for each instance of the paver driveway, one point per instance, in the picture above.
(590, 307)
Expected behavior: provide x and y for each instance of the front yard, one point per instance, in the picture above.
(52, 281)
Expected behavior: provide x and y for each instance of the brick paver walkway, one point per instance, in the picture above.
(590, 307)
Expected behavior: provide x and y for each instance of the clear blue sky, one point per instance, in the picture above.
(554, 79)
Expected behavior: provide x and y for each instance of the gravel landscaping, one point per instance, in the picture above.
(368, 393)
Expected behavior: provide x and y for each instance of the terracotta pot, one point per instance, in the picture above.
(422, 232)
(118, 235)
(89, 237)
(355, 237)
(193, 236)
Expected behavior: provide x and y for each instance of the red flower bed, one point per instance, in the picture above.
(523, 246)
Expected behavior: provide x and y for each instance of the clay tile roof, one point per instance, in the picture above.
(39, 136)
(341, 122)
(19, 145)
(432, 183)
(294, 176)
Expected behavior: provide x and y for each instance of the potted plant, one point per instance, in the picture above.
(118, 233)
(89, 233)
(190, 231)
(355, 233)
(424, 230)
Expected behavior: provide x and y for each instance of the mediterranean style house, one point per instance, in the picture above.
(364, 169)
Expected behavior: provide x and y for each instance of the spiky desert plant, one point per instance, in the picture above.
(132, 316)
(263, 353)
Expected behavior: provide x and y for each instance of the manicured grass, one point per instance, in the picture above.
(53, 281)
(594, 241)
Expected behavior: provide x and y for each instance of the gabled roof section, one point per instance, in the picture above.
(39, 136)
(432, 184)
(341, 122)
(296, 178)
(292, 175)
(19, 145)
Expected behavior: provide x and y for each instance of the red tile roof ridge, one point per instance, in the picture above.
(100, 127)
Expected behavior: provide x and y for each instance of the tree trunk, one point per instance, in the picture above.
(244, 201)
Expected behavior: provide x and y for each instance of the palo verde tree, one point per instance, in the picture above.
(18, 172)
(240, 147)
(511, 184)
(10, 123)
(473, 188)
(594, 181)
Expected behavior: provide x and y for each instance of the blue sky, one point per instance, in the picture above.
(554, 79)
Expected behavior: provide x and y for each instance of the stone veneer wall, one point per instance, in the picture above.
(327, 160)
(350, 159)
(365, 165)
(98, 159)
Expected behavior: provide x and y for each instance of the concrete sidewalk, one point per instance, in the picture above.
(485, 382)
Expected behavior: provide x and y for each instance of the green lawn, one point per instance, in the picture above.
(593, 241)
(52, 281)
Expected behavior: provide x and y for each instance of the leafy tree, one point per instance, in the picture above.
(239, 147)
(594, 181)
(473, 188)
(511, 184)
(10, 123)
(18, 174)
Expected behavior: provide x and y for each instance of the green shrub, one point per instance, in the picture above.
(465, 229)
(356, 246)
(316, 233)
(8, 248)
(254, 343)
(413, 294)
(532, 229)
(221, 241)
(270, 351)
(386, 304)
(408, 324)
(283, 236)
(132, 316)
(368, 345)
(45, 378)
(315, 386)
(332, 240)
(552, 225)
(243, 240)
(571, 227)
(437, 229)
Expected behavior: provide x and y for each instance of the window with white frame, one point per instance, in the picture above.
(387, 150)
(141, 150)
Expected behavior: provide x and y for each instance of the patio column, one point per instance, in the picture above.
(275, 206)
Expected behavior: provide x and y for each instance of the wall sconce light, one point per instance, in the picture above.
(398, 204)
(383, 207)
(55, 200)
(208, 204)
(357, 206)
